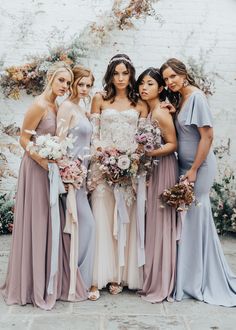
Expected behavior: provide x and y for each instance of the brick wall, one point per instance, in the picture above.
(203, 30)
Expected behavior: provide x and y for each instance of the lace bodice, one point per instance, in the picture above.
(117, 129)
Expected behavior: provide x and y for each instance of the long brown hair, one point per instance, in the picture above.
(108, 78)
(180, 68)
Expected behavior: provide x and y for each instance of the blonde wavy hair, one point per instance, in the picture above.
(54, 70)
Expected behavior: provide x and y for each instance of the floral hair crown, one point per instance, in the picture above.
(120, 59)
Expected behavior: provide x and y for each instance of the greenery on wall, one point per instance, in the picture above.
(223, 192)
(6, 214)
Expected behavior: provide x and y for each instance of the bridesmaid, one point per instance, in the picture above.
(202, 270)
(29, 263)
(160, 249)
(72, 120)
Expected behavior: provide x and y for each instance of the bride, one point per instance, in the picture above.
(115, 116)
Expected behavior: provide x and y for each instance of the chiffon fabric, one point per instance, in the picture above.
(29, 270)
(202, 270)
(161, 234)
(81, 134)
(117, 129)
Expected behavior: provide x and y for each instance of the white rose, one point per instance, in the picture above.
(40, 140)
(30, 145)
(43, 153)
(56, 154)
(123, 162)
(112, 160)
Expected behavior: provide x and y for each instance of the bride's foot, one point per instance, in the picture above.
(94, 293)
(115, 288)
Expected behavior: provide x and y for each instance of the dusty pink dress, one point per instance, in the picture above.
(29, 262)
(161, 226)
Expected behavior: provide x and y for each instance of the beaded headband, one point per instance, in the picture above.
(120, 59)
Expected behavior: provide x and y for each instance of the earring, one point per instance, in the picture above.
(185, 83)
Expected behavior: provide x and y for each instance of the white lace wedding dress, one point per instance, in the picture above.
(117, 129)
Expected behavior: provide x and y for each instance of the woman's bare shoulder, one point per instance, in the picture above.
(37, 107)
(162, 115)
(66, 105)
(98, 98)
(142, 107)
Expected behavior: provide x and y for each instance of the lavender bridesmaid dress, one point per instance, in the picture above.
(30, 257)
(29, 263)
(82, 137)
(202, 270)
(161, 234)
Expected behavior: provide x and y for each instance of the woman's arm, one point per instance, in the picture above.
(64, 120)
(97, 103)
(143, 109)
(168, 132)
(30, 123)
(96, 109)
(206, 138)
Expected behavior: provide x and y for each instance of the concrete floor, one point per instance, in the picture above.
(124, 312)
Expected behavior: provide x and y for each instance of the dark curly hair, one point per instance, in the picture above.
(108, 78)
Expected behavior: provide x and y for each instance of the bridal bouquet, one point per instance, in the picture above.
(72, 172)
(117, 166)
(180, 196)
(48, 146)
(149, 136)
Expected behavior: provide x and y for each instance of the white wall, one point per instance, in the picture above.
(202, 29)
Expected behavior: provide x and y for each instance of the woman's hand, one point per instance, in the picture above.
(44, 163)
(150, 153)
(168, 106)
(190, 175)
(140, 149)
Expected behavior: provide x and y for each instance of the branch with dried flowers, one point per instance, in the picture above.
(30, 77)
(204, 80)
(223, 192)
(135, 9)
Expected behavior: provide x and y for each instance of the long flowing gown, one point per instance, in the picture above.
(81, 133)
(202, 270)
(117, 129)
(161, 234)
(29, 263)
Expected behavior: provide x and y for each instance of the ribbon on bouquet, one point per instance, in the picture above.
(121, 218)
(56, 188)
(71, 227)
(180, 223)
(141, 199)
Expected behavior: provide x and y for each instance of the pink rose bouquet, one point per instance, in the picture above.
(72, 172)
(149, 136)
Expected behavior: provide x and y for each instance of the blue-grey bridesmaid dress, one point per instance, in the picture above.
(202, 270)
(82, 137)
